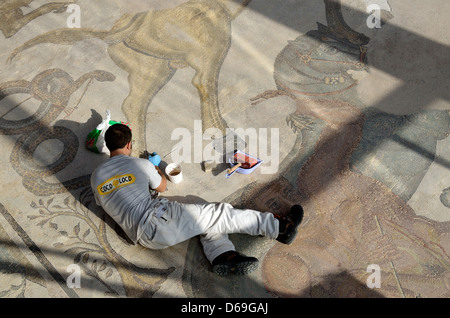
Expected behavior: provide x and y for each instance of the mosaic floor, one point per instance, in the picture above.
(345, 101)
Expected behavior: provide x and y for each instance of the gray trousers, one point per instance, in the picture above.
(178, 222)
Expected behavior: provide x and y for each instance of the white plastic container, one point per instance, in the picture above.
(175, 172)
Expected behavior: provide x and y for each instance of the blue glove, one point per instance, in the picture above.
(155, 159)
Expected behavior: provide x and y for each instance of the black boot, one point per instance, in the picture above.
(289, 224)
(232, 262)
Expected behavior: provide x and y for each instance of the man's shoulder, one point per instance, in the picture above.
(114, 164)
(138, 161)
(122, 159)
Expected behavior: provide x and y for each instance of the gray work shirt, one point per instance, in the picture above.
(121, 186)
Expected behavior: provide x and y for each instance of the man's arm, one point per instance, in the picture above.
(163, 185)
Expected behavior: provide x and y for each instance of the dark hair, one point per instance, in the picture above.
(117, 136)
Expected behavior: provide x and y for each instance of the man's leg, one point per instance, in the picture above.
(213, 222)
(219, 220)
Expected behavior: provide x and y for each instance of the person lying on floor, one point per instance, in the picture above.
(121, 187)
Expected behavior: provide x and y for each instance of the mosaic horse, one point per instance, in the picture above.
(151, 45)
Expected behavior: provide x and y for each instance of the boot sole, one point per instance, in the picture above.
(242, 268)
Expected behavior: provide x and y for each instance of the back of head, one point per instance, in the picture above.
(117, 136)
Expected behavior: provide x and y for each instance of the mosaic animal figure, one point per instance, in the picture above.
(309, 67)
(151, 45)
